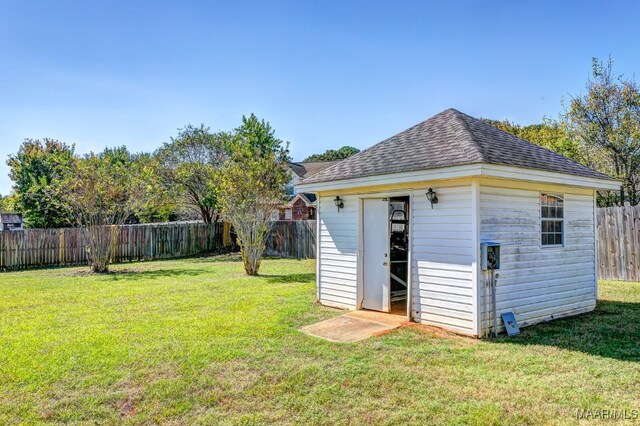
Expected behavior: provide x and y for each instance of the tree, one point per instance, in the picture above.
(607, 122)
(102, 192)
(550, 134)
(332, 154)
(7, 203)
(190, 162)
(251, 186)
(35, 169)
(158, 201)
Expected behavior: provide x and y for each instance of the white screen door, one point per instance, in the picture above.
(376, 254)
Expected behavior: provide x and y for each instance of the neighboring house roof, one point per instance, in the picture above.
(308, 198)
(306, 169)
(450, 138)
(10, 218)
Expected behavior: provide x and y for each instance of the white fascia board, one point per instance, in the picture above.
(456, 172)
(531, 175)
(394, 178)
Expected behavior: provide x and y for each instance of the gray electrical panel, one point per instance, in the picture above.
(510, 323)
(489, 256)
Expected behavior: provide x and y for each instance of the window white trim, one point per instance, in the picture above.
(552, 219)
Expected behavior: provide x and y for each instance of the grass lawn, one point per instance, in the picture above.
(198, 342)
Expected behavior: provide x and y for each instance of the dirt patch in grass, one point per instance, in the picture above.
(127, 408)
(87, 273)
(436, 332)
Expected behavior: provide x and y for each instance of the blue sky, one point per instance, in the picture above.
(325, 74)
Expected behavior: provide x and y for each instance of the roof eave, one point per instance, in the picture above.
(464, 171)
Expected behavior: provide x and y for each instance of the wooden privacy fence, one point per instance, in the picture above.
(619, 243)
(65, 246)
(46, 247)
(294, 239)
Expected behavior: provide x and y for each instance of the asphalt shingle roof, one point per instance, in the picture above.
(10, 218)
(447, 139)
(305, 169)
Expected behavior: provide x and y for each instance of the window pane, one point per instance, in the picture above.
(560, 213)
(558, 227)
(545, 239)
(558, 239)
(545, 211)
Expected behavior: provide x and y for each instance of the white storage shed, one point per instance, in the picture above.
(401, 224)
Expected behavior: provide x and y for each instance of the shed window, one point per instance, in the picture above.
(552, 219)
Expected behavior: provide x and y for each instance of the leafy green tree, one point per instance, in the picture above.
(8, 203)
(332, 154)
(158, 201)
(606, 121)
(34, 171)
(252, 186)
(189, 165)
(102, 192)
(550, 134)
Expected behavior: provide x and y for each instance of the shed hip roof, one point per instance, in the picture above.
(447, 139)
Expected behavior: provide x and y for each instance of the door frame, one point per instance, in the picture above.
(360, 281)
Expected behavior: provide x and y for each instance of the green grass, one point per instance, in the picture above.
(198, 342)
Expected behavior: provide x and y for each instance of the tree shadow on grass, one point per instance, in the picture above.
(134, 274)
(612, 331)
(290, 278)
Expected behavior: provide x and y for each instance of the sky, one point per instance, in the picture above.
(323, 73)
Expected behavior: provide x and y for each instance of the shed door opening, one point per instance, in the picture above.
(376, 293)
(386, 254)
(399, 252)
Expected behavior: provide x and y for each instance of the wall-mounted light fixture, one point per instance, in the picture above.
(339, 203)
(432, 197)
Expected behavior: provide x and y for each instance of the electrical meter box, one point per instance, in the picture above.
(489, 256)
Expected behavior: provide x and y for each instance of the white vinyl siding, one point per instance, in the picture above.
(441, 259)
(539, 283)
(338, 254)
